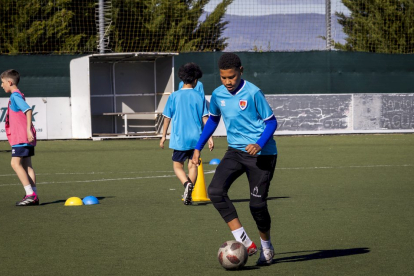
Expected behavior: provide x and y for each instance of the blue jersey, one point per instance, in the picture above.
(199, 87)
(185, 108)
(18, 104)
(243, 114)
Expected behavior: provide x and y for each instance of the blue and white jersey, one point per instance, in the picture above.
(18, 104)
(243, 114)
(185, 108)
(199, 87)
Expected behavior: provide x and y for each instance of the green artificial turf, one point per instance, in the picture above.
(340, 205)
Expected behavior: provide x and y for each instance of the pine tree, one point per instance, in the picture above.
(167, 25)
(28, 26)
(69, 26)
(380, 26)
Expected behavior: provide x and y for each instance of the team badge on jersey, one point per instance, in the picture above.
(223, 103)
(242, 104)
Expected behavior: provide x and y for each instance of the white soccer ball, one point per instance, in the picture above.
(232, 255)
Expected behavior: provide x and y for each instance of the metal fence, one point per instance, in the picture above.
(91, 26)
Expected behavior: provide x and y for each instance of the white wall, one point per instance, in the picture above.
(80, 98)
(51, 117)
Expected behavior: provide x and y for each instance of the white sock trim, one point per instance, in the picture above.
(28, 189)
(241, 236)
(266, 244)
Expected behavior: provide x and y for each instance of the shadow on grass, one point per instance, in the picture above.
(64, 200)
(238, 200)
(300, 256)
(5, 150)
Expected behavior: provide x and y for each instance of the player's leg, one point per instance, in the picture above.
(179, 157)
(182, 176)
(260, 173)
(19, 166)
(226, 173)
(27, 165)
(179, 171)
(16, 164)
(192, 169)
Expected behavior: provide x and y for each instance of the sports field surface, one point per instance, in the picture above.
(340, 205)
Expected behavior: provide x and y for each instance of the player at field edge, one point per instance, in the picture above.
(186, 108)
(250, 124)
(21, 135)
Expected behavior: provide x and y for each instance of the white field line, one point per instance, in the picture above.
(74, 173)
(173, 175)
(102, 180)
(297, 168)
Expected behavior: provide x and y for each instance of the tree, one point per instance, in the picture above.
(167, 25)
(381, 26)
(33, 26)
(69, 26)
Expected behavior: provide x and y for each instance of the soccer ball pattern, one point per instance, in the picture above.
(232, 255)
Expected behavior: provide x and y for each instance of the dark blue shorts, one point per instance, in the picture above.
(26, 151)
(182, 155)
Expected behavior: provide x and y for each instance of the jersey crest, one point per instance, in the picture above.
(243, 104)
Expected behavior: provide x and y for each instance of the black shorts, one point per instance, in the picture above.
(259, 170)
(182, 155)
(25, 151)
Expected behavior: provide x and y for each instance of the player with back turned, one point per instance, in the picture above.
(186, 110)
(250, 124)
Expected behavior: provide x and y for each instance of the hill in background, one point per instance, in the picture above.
(279, 32)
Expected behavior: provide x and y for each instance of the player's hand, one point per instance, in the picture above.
(196, 157)
(253, 149)
(162, 142)
(30, 136)
(211, 143)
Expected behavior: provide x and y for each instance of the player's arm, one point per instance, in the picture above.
(208, 130)
(271, 126)
(168, 114)
(265, 112)
(30, 136)
(25, 108)
(164, 131)
(210, 140)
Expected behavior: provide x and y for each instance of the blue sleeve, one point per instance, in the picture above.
(271, 126)
(168, 108)
(200, 87)
(205, 109)
(262, 106)
(208, 130)
(18, 104)
(214, 109)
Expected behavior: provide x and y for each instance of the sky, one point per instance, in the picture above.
(266, 7)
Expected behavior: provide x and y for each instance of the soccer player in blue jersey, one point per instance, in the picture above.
(187, 110)
(250, 124)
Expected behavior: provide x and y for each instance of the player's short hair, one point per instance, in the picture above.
(11, 74)
(229, 61)
(189, 72)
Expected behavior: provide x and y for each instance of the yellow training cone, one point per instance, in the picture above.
(73, 201)
(200, 191)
